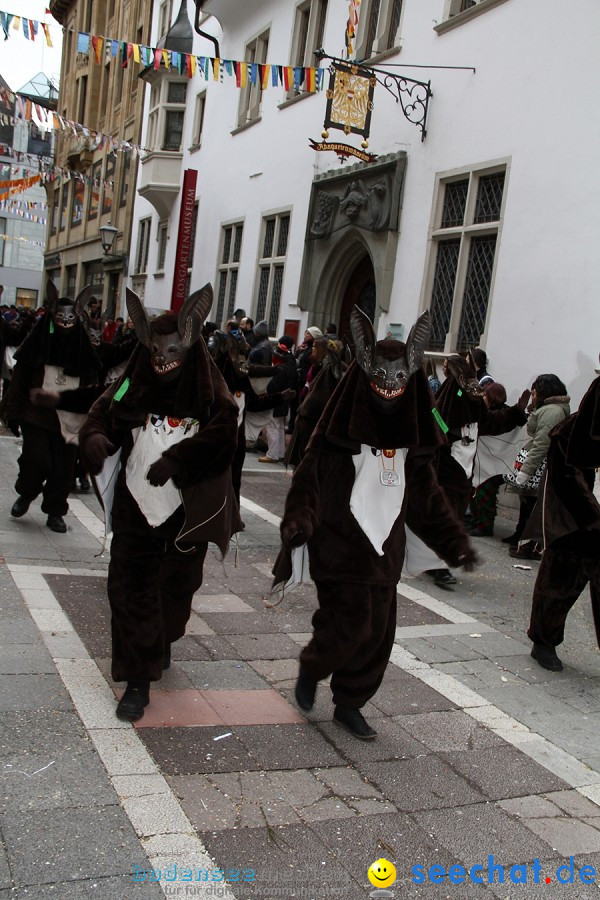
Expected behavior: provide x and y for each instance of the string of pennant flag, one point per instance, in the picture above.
(23, 240)
(263, 74)
(29, 27)
(50, 120)
(21, 213)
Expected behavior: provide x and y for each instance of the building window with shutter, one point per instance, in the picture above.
(251, 94)
(309, 29)
(143, 245)
(468, 214)
(378, 27)
(162, 237)
(271, 267)
(227, 273)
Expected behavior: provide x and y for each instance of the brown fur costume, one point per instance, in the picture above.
(460, 402)
(152, 576)
(47, 462)
(355, 624)
(571, 522)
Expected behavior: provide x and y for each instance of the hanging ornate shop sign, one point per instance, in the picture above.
(349, 100)
(350, 96)
(343, 150)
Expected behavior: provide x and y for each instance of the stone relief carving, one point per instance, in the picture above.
(355, 201)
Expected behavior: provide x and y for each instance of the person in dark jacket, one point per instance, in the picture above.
(368, 471)
(175, 423)
(571, 527)
(284, 379)
(549, 406)
(320, 389)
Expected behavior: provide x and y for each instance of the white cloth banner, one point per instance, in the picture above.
(374, 505)
(150, 442)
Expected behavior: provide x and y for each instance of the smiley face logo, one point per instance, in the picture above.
(382, 873)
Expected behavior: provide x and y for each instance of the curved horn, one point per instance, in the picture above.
(193, 313)
(364, 338)
(82, 299)
(418, 341)
(51, 296)
(139, 317)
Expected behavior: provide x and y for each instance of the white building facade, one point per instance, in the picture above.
(492, 221)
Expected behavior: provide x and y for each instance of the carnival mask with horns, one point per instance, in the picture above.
(464, 375)
(64, 311)
(169, 337)
(389, 364)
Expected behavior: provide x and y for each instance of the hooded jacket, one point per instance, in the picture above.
(200, 393)
(319, 499)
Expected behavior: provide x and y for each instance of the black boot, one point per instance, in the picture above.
(305, 690)
(442, 577)
(20, 507)
(133, 702)
(167, 658)
(354, 721)
(546, 657)
(56, 523)
(512, 540)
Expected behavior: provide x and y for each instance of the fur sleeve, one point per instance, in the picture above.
(302, 505)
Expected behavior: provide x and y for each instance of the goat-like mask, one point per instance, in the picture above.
(168, 351)
(465, 375)
(389, 364)
(64, 311)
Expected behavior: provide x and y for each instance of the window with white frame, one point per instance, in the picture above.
(198, 118)
(378, 27)
(454, 7)
(162, 238)
(271, 266)
(251, 94)
(143, 246)
(309, 27)
(467, 218)
(164, 18)
(166, 115)
(227, 274)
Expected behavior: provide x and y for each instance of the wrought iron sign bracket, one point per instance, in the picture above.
(412, 95)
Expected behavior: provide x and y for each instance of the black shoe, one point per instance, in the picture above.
(354, 721)
(305, 690)
(20, 507)
(56, 523)
(546, 657)
(441, 577)
(167, 657)
(133, 702)
(512, 539)
(84, 485)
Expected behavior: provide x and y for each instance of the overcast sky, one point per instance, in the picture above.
(21, 59)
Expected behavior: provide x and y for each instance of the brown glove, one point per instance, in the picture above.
(160, 471)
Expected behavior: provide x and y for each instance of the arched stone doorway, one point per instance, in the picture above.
(360, 291)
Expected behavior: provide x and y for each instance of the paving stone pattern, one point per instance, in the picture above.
(264, 786)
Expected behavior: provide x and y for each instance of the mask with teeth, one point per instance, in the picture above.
(388, 364)
(169, 337)
(64, 311)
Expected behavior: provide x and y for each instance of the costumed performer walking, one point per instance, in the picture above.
(367, 471)
(175, 422)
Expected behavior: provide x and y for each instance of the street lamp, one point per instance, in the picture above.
(107, 236)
